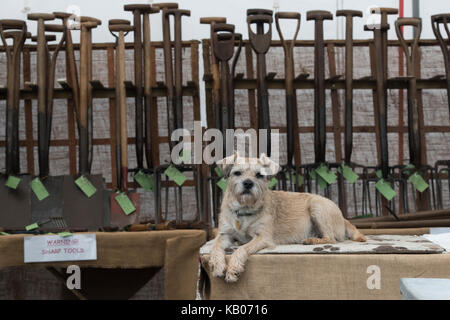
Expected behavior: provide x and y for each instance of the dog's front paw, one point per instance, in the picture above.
(235, 268)
(217, 264)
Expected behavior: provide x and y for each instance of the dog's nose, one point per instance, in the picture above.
(248, 184)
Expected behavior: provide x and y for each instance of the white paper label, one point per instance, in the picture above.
(77, 247)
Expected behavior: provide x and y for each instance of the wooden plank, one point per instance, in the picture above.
(28, 114)
(208, 91)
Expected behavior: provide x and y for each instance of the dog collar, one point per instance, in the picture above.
(242, 212)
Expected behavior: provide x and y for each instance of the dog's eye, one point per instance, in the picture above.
(259, 175)
(237, 173)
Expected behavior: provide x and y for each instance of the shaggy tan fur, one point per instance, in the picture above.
(258, 218)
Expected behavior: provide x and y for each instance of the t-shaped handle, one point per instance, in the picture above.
(254, 12)
(140, 8)
(41, 16)
(319, 15)
(166, 5)
(349, 13)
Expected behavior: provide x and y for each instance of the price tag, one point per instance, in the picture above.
(326, 174)
(12, 182)
(39, 189)
(32, 227)
(65, 234)
(175, 174)
(322, 183)
(418, 182)
(385, 189)
(86, 186)
(273, 183)
(146, 181)
(222, 184)
(125, 203)
(218, 171)
(348, 173)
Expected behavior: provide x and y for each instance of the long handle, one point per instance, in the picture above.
(348, 113)
(413, 113)
(436, 21)
(291, 99)
(12, 157)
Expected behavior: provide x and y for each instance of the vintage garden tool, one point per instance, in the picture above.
(15, 199)
(414, 134)
(380, 100)
(260, 43)
(72, 72)
(90, 115)
(148, 101)
(215, 70)
(319, 84)
(137, 10)
(178, 94)
(51, 206)
(223, 44)
(348, 111)
(348, 137)
(437, 21)
(293, 143)
(170, 100)
(42, 82)
(121, 217)
(83, 194)
(238, 37)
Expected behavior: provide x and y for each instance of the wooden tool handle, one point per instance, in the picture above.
(213, 20)
(287, 15)
(349, 13)
(252, 12)
(166, 5)
(11, 24)
(39, 16)
(319, 15)
(54, 28)
(259, 19)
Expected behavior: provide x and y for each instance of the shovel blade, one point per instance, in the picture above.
(81, 212)
(15, 205)
(50, 207)
(118, 218)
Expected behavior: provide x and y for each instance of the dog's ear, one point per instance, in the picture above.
(270, 167)
(227, 163)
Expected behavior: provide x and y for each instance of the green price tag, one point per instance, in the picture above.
(379, 174)
(32, 227)
(322, 183)
(65, 234)
(185, 156)
(385, 189)
(273, 183)
(418, 182)
(291, 176)
(39, 189)
(326, 174)
(146, 181)
(86, 186)
(3, 233)
(125, 203)
(408, 167)
(348, 174)
(218, 171)
(175, 174)
(222, 184)
(12, 182)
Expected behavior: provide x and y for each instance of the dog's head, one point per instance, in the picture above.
(248, 178)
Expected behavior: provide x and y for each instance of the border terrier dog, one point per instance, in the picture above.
(256, 217)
